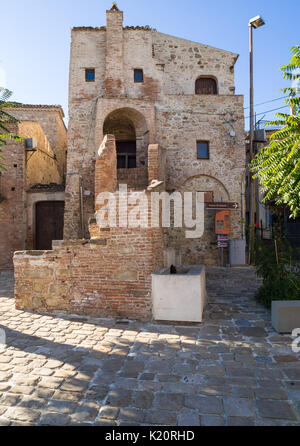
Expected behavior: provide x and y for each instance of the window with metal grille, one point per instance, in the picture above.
(206, 85)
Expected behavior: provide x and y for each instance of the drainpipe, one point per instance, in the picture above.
(80, 201)
(242, 210)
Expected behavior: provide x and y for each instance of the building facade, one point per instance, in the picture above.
(145, 88)
(152, 113)
(34, 174)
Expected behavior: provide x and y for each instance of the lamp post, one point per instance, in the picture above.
(255, 22)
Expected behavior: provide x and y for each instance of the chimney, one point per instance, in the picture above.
(114, 84)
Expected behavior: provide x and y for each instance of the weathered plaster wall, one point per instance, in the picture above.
(51, 121)
(41, 165)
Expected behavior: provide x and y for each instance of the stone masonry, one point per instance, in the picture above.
(232, 370)
(107, 275)
(164, 110)
(159, 117)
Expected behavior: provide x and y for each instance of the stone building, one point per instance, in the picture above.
(145, 88)
(32, 185)
(155, 113)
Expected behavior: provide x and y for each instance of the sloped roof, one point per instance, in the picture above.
(103, 28)
(41, 107)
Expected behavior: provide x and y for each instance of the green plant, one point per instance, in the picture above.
(287, 288)
(277, 166)
(274, 263)
(6, 118)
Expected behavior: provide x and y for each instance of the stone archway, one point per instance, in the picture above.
(201, 250)
(208, 184)
(132, 137)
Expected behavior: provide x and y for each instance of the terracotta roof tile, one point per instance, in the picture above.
(88, 28)
(41, 106)
(143, 28)
(103, 28)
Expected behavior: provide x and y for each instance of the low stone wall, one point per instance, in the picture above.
(103, 278)
(108, 275)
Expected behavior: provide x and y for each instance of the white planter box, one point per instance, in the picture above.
(285, 315)
(179, 297)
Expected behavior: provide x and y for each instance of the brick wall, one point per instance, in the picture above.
(156, 163)
(106, 167)
(104, 277)
(12, 208)
(85, 137)
(114, 53)
(108, 275)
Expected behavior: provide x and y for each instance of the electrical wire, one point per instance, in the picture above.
(262, 113)
(224, 114)
(267, 102)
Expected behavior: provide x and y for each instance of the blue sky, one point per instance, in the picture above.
(35, 40)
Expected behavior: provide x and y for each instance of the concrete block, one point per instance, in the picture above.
(286, 315)
(179, 297)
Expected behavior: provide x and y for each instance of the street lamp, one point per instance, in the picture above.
(255, 22)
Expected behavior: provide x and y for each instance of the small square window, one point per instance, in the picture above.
(90, 75)
(203, 149)
(138, 75)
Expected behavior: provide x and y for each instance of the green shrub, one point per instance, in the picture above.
(281, 278)
(287, 288)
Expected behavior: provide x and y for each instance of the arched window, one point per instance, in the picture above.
(121, 126)
(132, 138)
(206, 85)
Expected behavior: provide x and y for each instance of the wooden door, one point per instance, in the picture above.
(49, 223)
(206, 85)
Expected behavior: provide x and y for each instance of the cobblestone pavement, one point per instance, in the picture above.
(231, 370)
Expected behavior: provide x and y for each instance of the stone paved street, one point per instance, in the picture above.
(231, 370)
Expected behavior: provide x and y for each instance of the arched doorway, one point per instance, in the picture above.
(132, 138)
